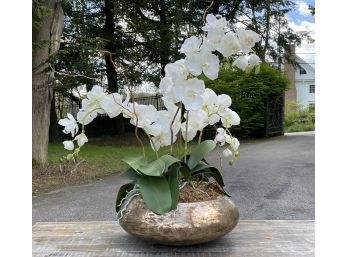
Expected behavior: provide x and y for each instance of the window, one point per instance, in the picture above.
(302, 70)
(311, 88)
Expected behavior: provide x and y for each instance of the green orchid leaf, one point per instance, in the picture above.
(173, 181)
(168, 160)
(213, 172)
(200, 166)
(122, 193)
(156, 193)
(200, 152)
(155, 168)
(135, 162)
(131, 174)
(184, 171)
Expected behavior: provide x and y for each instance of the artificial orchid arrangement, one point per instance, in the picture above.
(190, 107)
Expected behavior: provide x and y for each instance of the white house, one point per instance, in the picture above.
(305, 83)
(302, 81)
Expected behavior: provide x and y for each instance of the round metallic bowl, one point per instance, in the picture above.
(190, 223)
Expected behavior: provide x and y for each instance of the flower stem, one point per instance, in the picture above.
(200, 136)
(171, 128)
(186, 132)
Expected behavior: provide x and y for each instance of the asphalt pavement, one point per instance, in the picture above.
(272, 179)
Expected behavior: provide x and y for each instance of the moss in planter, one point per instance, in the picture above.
(199, 191)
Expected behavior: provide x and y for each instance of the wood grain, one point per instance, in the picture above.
(250, 238)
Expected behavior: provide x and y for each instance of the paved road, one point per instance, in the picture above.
(272, 179)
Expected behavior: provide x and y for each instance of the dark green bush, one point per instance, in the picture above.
(249, 92)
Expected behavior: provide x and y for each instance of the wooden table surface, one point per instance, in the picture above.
(251, 238)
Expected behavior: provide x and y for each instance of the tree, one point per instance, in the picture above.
(268, 19)
(47, 29)
(249, 92)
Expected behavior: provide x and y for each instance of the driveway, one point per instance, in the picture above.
(272, 179)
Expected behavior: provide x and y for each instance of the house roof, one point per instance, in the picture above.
(304, 64)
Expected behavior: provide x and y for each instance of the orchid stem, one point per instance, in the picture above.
(171, 129)
(186, 132)
(200, 136)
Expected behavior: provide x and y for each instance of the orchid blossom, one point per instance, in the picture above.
(190, 106)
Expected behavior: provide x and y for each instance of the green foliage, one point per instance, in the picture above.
(39, 11)
(300, 127)
(172, 177)
(156, 193)
(155, 168)
(199, 152)
(122, 193)
(249, 92)
(298, 118)
(159, 180)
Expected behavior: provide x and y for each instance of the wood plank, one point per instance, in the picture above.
(262, 238)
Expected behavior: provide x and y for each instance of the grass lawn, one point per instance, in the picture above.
(100, 157)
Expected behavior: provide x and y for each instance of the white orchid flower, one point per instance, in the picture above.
(163, 130)
(190, 93)
(227, 153)
(68, 145)
(70, 125)
(234, 144)
(254, 60)
(94, 98)
(214, 23)
(92, 105)
(229, 118)
(166, 85)
(153, 129)
(112, 104)
(191, 45)
(229, 44)
(163, 139)
(247, 38)
(165, 119)
(141, 115)
(222, 137)
(213, 119)
(209, 101)
(85, 117)
(166, 88)
(197, 121)
(191, 132)
(81, 139)
(223, 101)
(241, 62)
(216, 39)
(176, 71)
(205, 62)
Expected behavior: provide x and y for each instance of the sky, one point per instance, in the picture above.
(302, 20)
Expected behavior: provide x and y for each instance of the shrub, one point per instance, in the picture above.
(298, 118)
(249, 93)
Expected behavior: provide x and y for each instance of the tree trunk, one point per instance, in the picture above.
(47, 35)
(165, 37)
(111, 74)
(54, 130)
(110, 36)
